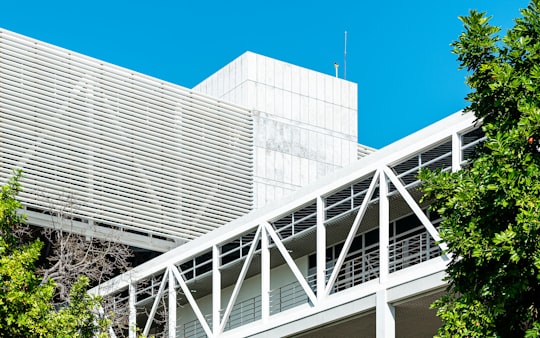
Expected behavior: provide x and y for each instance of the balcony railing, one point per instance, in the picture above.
(406, 250)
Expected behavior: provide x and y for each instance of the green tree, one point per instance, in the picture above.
(491, 209)
(26, 308)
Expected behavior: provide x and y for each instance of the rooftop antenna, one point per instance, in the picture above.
(345, 58)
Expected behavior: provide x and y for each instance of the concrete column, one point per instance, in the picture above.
(386, 317)
(321, 250)
(216, 291)
(265, 276)
(384, 228)
(172, 305)
(132, 311)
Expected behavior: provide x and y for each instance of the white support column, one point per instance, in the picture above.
(291, 263)
(265, 276)
(352, 232)
(132, 310)
(172, 305)
(191, 301)
(321, 250)
(456, 152)
(216, 290)
(384, 228)
(155, 306)
(386, 316)
(240, 280)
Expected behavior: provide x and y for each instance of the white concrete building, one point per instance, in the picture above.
(250, 182)
(304, 122)
(155, 165)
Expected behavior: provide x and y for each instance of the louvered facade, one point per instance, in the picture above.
(126, 154)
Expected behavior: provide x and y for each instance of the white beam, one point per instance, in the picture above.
(321, 250)
(352, 232)
(132, 310)
(384, 229)
(156, 303)
(216, 290)
(172, 306)
(240, 279)
(385, 316)
(415, 208)
(191, 301)
(290, 262)
(95, 231)
(265, 276)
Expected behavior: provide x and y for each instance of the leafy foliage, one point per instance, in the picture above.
(491, 209)
(26, 308)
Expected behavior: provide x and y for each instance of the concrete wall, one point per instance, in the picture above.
(304, 122)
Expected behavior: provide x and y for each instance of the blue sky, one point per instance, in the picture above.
(397, 51)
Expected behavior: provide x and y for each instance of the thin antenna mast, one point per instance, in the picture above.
(345, 58)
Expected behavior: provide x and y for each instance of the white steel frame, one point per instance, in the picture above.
(379, 294)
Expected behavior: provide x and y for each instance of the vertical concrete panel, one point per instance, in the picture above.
(329, 116)
(270, 72)
(260, 98)
(241, 68)
(312, 170)
(270, 193)
(345, 94)
(295, 107)
(345, 120)
(296, 170)
(251, 61)
(353, 124)
(270, 100)
(287, 74)
(320, 113)
(304, 109)
(260, 167)
(353, 151)
(261, 69)
(304, 142)
(320, 148)
(312, 80)
(278, 74)
(320, 86)
(329, 148)
(312, 111)
(287, 105)
(287, 168)
(304, 82)
(304, 171)
(337, 112)
(287, 138)
(270, 164)
(337, 151)
(295, 80)
(336, 97)
(329, 88)
(261, 195)
(346, 151)
(353, 95)
(278, 165)
(250, 97)
(312, 145)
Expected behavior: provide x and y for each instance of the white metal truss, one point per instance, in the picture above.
(385, 179)
(135, 155)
